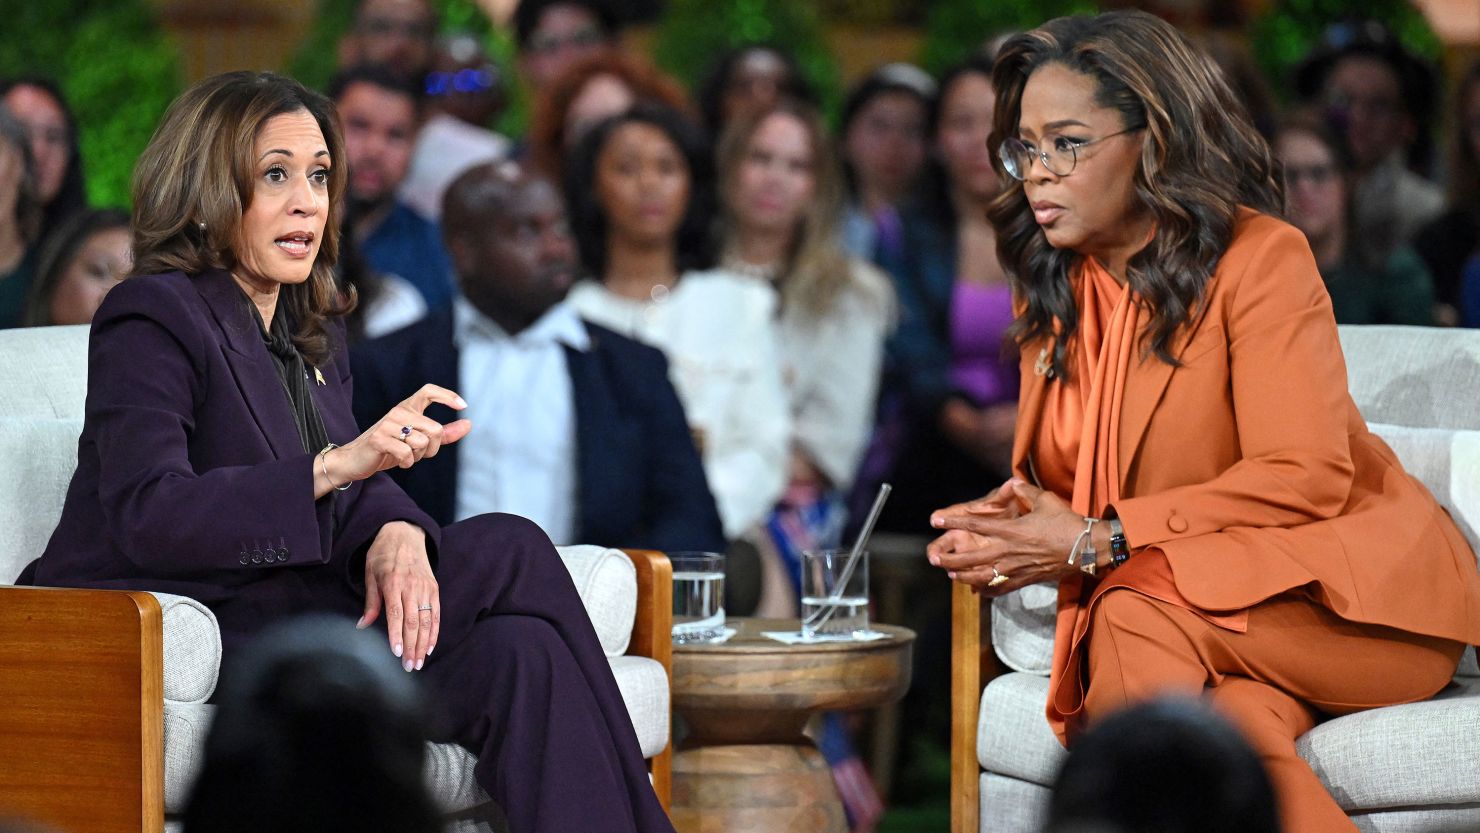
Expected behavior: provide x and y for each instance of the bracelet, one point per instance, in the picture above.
(324, 467)
(1120, 551)
(1087, 555)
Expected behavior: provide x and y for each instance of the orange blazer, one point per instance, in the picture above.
(1250, 467)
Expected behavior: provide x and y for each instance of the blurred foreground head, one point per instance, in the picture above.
(316, 730)
(1171, 766)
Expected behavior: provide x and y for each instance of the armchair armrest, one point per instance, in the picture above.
(652, 637)
(82, 708)
(966, 695)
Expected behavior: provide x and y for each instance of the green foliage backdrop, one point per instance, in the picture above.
(956, 28)
(694, 33)
(1290, 29)
(115, 65)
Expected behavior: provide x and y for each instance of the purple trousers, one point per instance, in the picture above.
(519, 679)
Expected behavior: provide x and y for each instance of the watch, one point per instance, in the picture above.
(1120, 551)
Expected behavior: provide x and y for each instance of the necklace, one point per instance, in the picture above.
(767, 272)
(659, 293)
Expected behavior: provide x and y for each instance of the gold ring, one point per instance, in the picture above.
(998, 578)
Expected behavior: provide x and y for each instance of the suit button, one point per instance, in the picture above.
(269, 555)
(256, 556)
(245, 559)
(283, 554)
(1177, 523)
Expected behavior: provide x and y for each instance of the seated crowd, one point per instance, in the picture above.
(708, 322)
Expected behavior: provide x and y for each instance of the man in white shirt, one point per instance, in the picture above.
(575, 427)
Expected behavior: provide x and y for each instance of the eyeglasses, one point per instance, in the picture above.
(385, 27)
(1059, 159)
(469, 81)
(582, 38)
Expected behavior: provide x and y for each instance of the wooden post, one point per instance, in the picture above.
(966, 693)
(652, 637)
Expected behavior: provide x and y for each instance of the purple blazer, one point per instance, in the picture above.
(190, 475)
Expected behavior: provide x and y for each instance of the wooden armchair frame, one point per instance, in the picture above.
(82, 701)
(966, 697)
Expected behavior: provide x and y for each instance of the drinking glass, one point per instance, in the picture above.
(834, 594)
(698, 596)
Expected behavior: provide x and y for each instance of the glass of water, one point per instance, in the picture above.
(698, 596)
(834, 593)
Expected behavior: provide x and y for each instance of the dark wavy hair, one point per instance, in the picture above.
(73, 194)
(710, 92)
(695, 248)
(57, 253)
(199, 168)
(1202, 160)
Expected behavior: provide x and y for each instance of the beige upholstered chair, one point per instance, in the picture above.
(1403, 769)
(103, 694)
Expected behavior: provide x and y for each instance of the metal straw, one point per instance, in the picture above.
(834, 598)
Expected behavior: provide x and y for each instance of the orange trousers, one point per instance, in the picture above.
(1296, 662)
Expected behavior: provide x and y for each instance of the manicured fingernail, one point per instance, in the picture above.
(407, 665)
(431, 649)
(951, 576)
(360, 625)
(397, 650)
(461, 403)
(937, 521)
(935, 559)
(420, 663)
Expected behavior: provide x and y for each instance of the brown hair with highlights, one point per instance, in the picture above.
(1202, 159)
(199, 168)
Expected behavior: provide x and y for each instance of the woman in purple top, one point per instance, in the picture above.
(950, 401)
(219, 459)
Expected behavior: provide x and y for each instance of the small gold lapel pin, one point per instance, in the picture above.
(318, 376)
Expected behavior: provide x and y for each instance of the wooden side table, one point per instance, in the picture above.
(746, 766)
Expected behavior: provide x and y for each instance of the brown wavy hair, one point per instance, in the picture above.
(1202, 160)
(547, 139)
(199, 168)
(816, 270)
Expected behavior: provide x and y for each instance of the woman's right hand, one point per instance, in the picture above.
(1002, 503)
(386, 444)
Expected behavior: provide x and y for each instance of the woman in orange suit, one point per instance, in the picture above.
(1189, 466)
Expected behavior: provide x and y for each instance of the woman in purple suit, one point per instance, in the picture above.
(219, 460)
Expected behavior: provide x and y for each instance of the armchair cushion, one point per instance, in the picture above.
(1401, 756)
(40, 454)
(192, 649)
(607, 584)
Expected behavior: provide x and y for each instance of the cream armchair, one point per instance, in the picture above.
(103, 694)
(1402, 769)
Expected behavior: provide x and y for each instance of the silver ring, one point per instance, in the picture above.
(405, 433)
(424, 607)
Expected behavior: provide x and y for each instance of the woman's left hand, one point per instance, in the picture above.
(1031, 548)
(398, 577)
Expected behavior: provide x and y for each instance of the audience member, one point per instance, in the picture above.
(83, 259)
(781, 203)
(554, 35)
(638, 188)
(20, 219)
(378, 110)
(747, 80)
(315, 730)
(396, 34)
(1396, 290)
(219, 459)
(1446, 243)
(1382, 97)
(590, 92)
(948, 418)
(1165, 766)
(884, 148)
(39, 104)
(384, 302)
(464, 94)
(579, 429)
